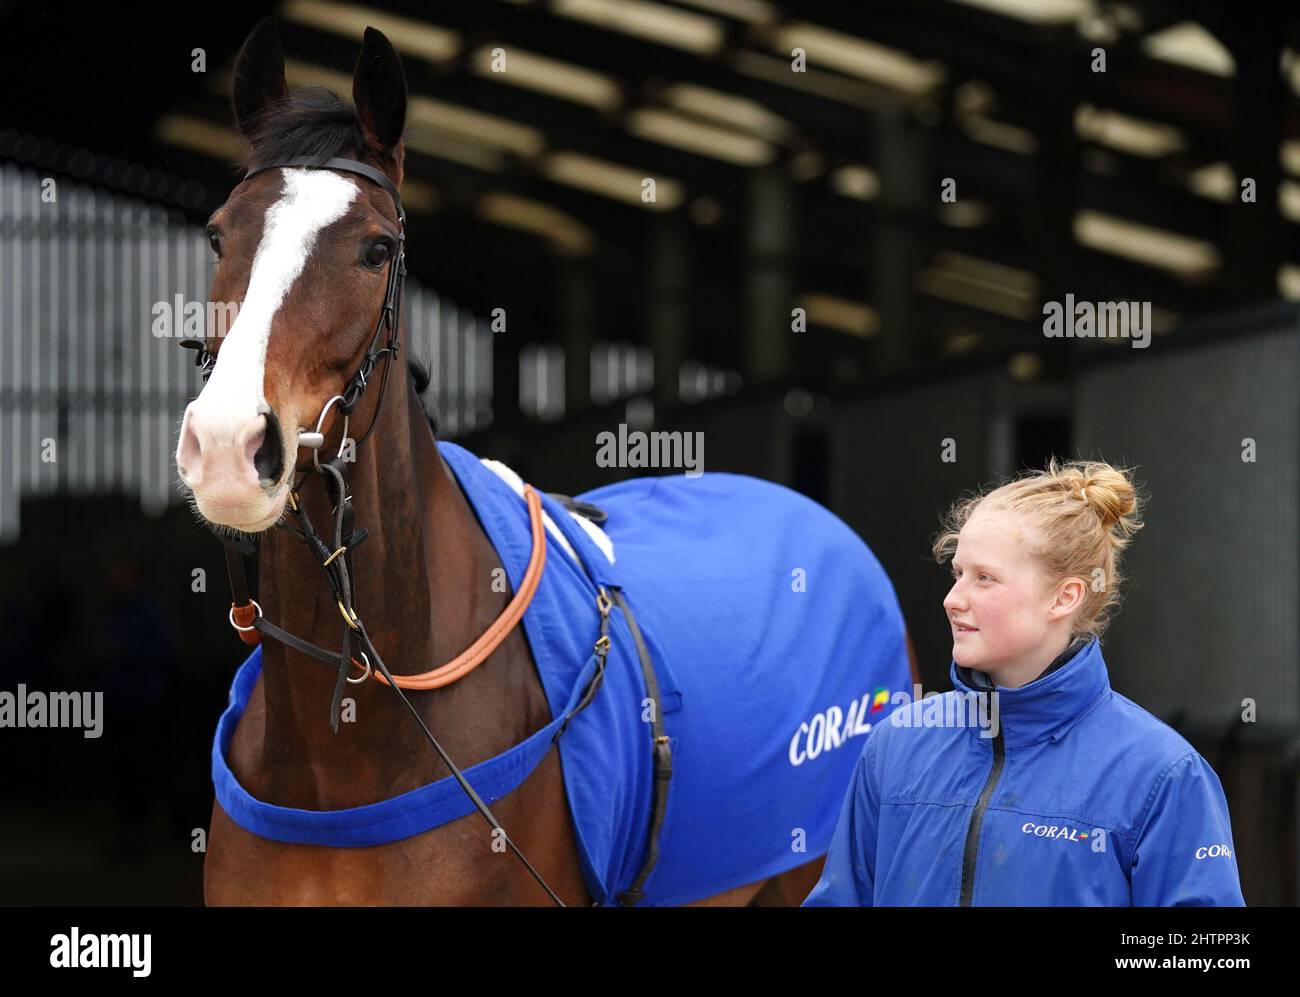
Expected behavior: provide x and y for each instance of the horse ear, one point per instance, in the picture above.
(379, 93)
(259, 74)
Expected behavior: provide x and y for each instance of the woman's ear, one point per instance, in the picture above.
(1070, 595)
(259, 75)
(379, 93)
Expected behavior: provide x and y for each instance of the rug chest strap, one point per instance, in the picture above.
(663, 756)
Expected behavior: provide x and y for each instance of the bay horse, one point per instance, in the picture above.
(310, 244)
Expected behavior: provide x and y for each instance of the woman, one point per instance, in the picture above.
(1061, 791)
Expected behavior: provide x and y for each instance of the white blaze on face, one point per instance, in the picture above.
(312, 199)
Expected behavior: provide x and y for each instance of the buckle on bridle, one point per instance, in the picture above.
(349, 617)
(316, 439)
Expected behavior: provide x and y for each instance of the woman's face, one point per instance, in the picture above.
(1003, 609)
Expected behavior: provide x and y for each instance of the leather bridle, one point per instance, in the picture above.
(335, 557)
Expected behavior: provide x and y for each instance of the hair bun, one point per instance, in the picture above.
(1108, 491)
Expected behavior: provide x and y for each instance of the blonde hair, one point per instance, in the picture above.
(1087, 512)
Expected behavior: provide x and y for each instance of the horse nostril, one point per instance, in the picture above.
(189, 457)
(269, 459)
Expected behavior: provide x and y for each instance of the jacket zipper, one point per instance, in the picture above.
(977, 821)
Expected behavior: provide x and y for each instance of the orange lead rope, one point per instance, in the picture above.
(491, 639)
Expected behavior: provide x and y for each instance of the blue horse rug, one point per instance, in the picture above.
(776, 641)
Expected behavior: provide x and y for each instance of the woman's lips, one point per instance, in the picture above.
(961, 628)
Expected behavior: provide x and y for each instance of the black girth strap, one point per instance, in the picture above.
(663, 759)
(662, 747)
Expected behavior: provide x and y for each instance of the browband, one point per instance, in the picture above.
(346, 165)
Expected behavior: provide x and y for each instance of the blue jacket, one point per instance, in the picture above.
(1079, 797)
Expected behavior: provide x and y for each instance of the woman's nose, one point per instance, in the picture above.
(954, 600)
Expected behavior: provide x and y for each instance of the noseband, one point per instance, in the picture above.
(335, 558)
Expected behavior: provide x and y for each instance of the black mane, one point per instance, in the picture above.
(317, 122)
(313, 121)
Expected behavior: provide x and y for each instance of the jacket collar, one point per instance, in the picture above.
(1051, 704)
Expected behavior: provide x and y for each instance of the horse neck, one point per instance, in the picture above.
(422, 585)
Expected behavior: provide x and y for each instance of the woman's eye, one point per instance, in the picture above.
(214, 241)
(378, 255)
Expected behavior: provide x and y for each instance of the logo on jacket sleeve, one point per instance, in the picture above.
(1213, 852)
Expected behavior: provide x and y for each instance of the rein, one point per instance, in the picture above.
(335, 557)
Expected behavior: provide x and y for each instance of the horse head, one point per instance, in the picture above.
(306, 256)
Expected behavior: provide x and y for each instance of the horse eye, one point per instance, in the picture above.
(214, 240)
(377, 256)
